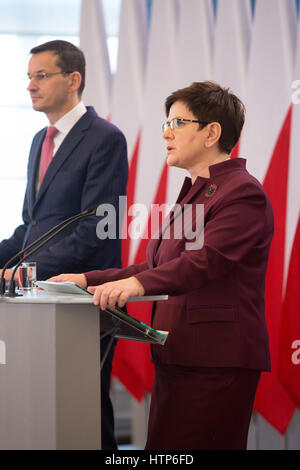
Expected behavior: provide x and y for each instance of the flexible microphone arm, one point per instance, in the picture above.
(43, 239)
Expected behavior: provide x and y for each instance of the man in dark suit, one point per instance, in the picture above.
(87, 166)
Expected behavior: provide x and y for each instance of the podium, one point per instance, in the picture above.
(50, 381)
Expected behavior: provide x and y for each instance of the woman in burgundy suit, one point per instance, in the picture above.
(207, 373)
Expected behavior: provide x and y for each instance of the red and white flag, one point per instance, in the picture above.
(266, 143)
(195, 27)
(159, 83)
(127, 112)
(128, 92)
(231, 57)
(289, 356)
(152, 170)
(194, 63)
(94, 46)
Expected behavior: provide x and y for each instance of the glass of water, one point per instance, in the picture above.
(27, 276)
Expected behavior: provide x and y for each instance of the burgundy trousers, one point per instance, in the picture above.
(201, 408)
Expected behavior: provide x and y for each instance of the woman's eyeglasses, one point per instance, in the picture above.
(178, 123)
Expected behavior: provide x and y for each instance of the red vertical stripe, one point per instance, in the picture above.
(132, 363)
(272, 401)
(289, 356)
(130, 200)
(235, 151)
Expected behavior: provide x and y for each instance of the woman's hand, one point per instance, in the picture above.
(109, 293)
(79, 279)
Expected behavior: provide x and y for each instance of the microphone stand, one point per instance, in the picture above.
(43, 239)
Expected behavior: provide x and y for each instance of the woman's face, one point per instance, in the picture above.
(186, 145)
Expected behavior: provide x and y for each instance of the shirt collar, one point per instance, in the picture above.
(65, 123)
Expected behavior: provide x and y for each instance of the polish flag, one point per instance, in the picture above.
(289, 357)
(94, 46)
(266, 144)
(230, 63)
(194, 63)
(128, 93)
(231, 56)
(127, 113)
(196, 26)
(152, 171)
(160, 81)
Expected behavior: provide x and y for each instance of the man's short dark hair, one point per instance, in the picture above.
(69, 57)
(210, 102)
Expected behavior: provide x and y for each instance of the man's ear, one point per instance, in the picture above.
(75, 80)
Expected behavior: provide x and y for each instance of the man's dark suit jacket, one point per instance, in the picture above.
(89, 168)
(215, 311)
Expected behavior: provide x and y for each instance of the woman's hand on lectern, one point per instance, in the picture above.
(110, 293)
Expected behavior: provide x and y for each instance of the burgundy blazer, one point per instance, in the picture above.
(215, 310)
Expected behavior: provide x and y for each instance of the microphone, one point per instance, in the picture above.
(38, 243)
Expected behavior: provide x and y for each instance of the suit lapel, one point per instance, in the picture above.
(186, 195)
(34, 167)
(71, 141)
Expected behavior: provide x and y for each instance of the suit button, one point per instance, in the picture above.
(33, 222)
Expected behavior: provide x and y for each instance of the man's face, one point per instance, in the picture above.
(50, 94)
